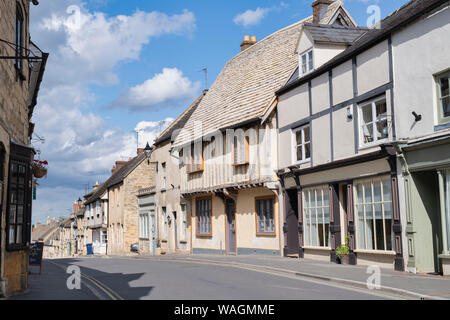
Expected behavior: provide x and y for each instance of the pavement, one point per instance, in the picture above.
(218, 277)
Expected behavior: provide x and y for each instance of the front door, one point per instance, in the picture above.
(152, 232)
(231, 226)
(292, 223)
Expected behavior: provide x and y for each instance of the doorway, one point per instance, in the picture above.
(291, 210)
(230, 209)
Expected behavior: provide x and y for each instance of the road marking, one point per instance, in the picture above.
(294, 277)
(111, 293)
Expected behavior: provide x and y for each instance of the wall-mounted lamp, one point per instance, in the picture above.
(417, 116)
(349, 113)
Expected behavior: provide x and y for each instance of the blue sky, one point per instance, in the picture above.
(116, 66)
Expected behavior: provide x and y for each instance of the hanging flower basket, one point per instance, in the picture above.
(39, 168)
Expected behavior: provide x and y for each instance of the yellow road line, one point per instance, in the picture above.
(111, 293)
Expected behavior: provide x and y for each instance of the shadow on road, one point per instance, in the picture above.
(52, 284)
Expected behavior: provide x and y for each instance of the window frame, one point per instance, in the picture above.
(374, 122)
(238, 160)
(144, 233)
(372, 180)
(324, 190)
(294, 144)
(201, 234)
(163, 176)
(191, 166)
(440, 117)
(183, 221)
(309, 69)
(20, 156)
(19, 40)
(165, 222)
(257, 217)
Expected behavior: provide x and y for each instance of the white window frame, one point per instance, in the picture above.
(103, 236)
(374, 122)
(144, 226)
(308, 61)
(440, 117)
(316, 191)
(294, 144)
(373, 203)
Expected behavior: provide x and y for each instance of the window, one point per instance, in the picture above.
(316, 215)
(373, 207)
(240, 148)
(18, 220)
(443, 97)
(104, 236)
(302, 144)
(19, 43)
(265, 223)
(2, 172)
(307, 62)
(163, 173)
(143, 226)
(183, 222)
(374, 121)
(195, 161)
(203, 207)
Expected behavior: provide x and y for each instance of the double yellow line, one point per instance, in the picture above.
(103, 287)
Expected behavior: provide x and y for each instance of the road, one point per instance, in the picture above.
(161, 279)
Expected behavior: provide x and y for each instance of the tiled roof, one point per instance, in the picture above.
(398, 19)
(180, 121)
(246, 85)
(43, 230)
(334, 33)
(117, 177)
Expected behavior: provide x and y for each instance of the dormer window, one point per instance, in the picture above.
(307, 61)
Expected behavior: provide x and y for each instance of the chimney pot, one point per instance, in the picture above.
(248, 42)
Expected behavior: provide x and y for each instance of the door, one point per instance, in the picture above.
(152, 232)
(230, 209)
(291, 202)
(175, 226)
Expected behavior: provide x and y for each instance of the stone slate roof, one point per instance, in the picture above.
(179, 122)
(246, 85)
(334, 33)
(44, 230)
(398, 19)
(116, 178)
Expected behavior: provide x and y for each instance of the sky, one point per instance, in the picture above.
(119, 72)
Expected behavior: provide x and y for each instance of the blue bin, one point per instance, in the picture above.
(89, 248)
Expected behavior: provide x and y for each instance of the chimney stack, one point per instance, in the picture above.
(319, 8)
(140, 150)
(248, 42)
(117, 166)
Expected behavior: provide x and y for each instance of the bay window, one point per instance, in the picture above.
(373, 121)
(301, 144)
(373, 208)
(316, 216)
(203, 213)
(443, 93)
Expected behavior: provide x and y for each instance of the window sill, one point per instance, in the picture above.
(298, 163)
(240, 164)
(259, 234)
(379, 252)
(204, 235)
(367, 146)
(442, 126)
(196, 171)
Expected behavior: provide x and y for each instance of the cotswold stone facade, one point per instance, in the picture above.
(123, 220)
(19, 84)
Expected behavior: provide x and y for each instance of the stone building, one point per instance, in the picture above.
(22, 66)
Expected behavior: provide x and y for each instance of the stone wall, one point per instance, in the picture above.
(14, 124)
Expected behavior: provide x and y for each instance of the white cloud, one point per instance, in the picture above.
(251, 17)
(150, 130)
(88, 45)
(164, 87)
